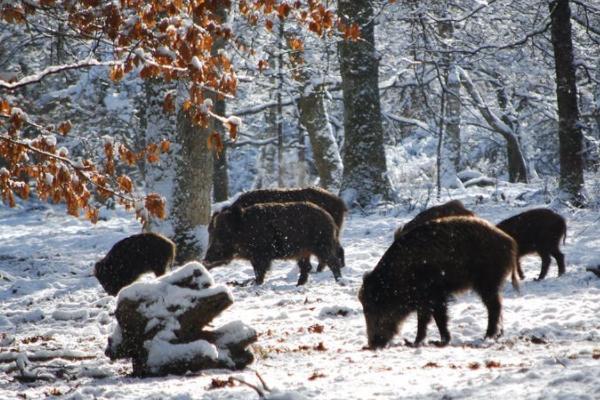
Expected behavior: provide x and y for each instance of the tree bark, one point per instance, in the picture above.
(570, 136)
(193, 188)
(220, 177)
(315, 119)
(451, 143)
(365, 170)
(157, 125)
(517, 171)
(313, 116)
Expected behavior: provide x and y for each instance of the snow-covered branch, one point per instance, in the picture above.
(35, 78)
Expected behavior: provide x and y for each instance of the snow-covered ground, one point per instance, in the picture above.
(310, 338)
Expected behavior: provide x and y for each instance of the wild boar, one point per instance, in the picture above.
(449, 209)
(320, 197)
(131, 257)
(538, 231)
(264, 232)
(425, 266)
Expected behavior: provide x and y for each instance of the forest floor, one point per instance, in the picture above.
(311, 338)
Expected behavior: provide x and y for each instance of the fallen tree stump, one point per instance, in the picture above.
(161, 326)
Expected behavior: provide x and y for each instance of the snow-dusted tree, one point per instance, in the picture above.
(452, 109)
(365, 169)
(314, 117)
(569, 126)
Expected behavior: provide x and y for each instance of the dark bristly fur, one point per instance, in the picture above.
(426, 265)
(320, 197)
(538, 231)
(133, 256)
(264, 232)
(449, 209)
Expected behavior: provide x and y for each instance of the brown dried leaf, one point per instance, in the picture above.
(64, 127)
(155, 205)
(125, 183)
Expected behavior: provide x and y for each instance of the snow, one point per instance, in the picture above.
(54, 313)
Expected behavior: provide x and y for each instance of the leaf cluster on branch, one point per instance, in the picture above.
(165, 40)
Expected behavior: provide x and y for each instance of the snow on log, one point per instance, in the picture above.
(160, 326)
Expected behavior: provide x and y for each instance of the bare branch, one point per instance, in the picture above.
(54, 70)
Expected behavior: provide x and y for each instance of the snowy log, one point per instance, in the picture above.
(160, 326)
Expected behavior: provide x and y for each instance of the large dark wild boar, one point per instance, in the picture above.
(264, 232)
(538, 231)
(320, 197)
(426, 265)
(131, 257)
(448, 209)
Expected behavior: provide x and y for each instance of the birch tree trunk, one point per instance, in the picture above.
(364, 159)
(570, 136)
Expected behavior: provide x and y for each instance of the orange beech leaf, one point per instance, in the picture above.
(169, 103)
(263, 65)
(283, 10)
(92, 213)
(214, 142)
(352, 32)
(187, 104)
(125, 183)
(164, 146)
(155, 205)
(5, 107)
(116, 73)
(269, 25)
(64, 127)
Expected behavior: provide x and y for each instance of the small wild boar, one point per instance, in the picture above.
(320, 197)
(426, 265)
(131, 257)
(449, 209)
(538, 231)
(264, 232)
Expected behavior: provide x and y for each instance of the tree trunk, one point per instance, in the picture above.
(365, 170)
(570, 136)
(451, 143)
(220, 177)
(515, 155)
(315, 119)
(192, 189)
(157, 125)
(516, 170)
(313, 116)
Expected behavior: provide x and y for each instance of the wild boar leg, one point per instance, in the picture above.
(260, 270)
(520, 269)
(440, 316)
(305, 268)
(545, 265)
(423, 319)
(321, 266)
(560, 260)
(493, 304)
